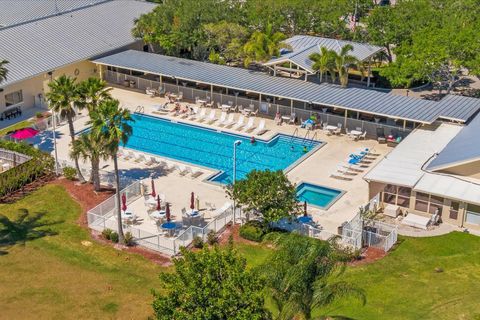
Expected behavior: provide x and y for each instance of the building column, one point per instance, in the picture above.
(161, 83)
(259, 101)
(211, 93)
(346, 113)
(100, 70)
(291, 105)
(369, 72)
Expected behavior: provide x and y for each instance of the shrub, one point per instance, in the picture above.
(70, 173)
(114, 237)
(39, 115)
(128, 239)
(197, 242)
(107, 233)
(212, 237)
(252, 230)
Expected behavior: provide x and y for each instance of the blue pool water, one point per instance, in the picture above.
(212, 149)
(317, 195)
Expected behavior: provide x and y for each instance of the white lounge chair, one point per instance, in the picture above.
(211, 117)
(200, 116)
(340, 176)
(151, 162)
(261, 128)
(250, 125)
(230, 121)
(129, 156)
(139, 157)
(182, 171)
(240, 123)
(222, 119)
(193, 173)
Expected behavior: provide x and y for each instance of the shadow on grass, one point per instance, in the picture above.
(23, 227)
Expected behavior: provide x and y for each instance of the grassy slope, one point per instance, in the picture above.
(58, 277)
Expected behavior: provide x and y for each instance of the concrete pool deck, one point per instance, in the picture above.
(315, 169)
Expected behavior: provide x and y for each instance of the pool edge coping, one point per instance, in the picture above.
(342, 193)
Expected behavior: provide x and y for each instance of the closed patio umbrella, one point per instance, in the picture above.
(192, 201)
(158, 203)
(153, 189)
(167, 211)
(124, 202)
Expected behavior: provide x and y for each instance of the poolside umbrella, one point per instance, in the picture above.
(167, 211)
(153, 189)
(158, 203)
(124, 202)
(192, 201)
(305, 208)
(24, 133)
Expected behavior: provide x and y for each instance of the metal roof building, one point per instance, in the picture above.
(52, 42)
(368, 101)
(303, 46)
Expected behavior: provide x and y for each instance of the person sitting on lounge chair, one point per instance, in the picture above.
(278, 119)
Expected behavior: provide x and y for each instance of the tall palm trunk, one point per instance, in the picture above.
(95, 178)
(72, 136)
(117, 198)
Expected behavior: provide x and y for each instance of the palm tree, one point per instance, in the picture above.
(343, 62)
(90, 146)
(111, 124)
(91, 92)
(323, 62)
(3, 70)
(301, 274)
(62, 98)
(262, 46)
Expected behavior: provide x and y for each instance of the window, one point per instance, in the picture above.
(454, 210)
(13, 98)
(397, 195)
(473, 214)
(427, 203)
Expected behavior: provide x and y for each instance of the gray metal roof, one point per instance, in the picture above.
(304, 46)
(356, 99)
(20, 11)
(46, 44)
(463, 148)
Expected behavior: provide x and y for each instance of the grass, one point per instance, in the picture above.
(58, 277)
(16, 126)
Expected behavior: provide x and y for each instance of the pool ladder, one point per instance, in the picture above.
(294, 135)
(307, 137)
(140, 109)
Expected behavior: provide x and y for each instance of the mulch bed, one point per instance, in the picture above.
(85, 195)
(27, 189)
(369, 255)
(235, 232)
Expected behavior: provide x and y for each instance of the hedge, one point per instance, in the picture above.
(20, 175)
(252, 230)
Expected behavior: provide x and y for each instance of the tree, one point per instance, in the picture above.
(111, 124)
(343, 62)
(267, 193)
(91, 92)
(92, 147)
(301, 275)
(262, 46)
(212, 284)
(3, 70)
(62, 98)
(225, 41)
(323, 62)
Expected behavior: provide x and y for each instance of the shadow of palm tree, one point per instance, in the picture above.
(23, 227)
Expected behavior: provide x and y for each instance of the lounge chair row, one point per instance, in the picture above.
(354, 164)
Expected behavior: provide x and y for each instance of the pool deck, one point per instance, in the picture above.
(315, 169)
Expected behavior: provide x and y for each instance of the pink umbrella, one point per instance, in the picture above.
(124, 202)
(153, 189)
(167, 211)
(24, 133)
(192, 201)
(158, 203)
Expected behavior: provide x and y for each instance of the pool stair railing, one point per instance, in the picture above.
(139, 109)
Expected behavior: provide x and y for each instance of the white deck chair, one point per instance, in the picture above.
(139, 157)
(151, 162)
(261, 128)
(230, 121)
(194, 114)
(200, 116)
(240, 123)
(211, 117)
(129, 156)
(250, 125)
(180, 170)
(223, 118)
(194, 173)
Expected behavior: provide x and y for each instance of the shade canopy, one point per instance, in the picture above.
(25, 133)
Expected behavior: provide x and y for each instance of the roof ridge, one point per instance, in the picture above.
(92, 4)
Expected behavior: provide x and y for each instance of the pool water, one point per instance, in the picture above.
(213, 149)
(318, 196)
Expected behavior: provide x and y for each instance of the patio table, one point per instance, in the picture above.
(151, 201)
(169, 227)
(331, 128)
(128, 217)
(226, 107)
(355, 132)
(202, 102)
(246, 111)
(158, 214)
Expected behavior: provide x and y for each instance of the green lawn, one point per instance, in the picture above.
(58, 277)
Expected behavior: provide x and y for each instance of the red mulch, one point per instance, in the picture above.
(88, 199)
(369, 255)
(234, 231)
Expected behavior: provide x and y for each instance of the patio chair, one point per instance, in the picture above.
(180, 96)
(253, 113)
(223, 118)
(210, 206)
(139, 157)
(181, 170)
(240, 123)
(363, 135)
(227, 121)
(261, 128)
(293, 118)
(250, 125)
(151, 162)
(340, 176)
(193, 173)
(381, 135)
(211, 117)
(129, 156)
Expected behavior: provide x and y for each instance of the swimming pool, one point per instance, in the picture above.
(317, 196)
(213, 149)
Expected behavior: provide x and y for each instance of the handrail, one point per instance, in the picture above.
(140, 109)
(305, 137)
(293, 135)
(313, 138)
